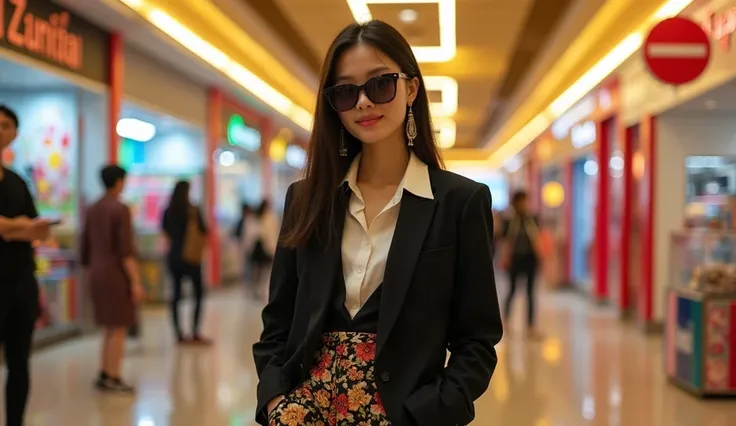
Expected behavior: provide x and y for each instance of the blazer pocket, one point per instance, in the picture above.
(436, 249)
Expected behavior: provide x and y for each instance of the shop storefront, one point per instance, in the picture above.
(679, 144)
(568, 178)
(241, 176)
(288, 158)
(55, 78)
(162, 140)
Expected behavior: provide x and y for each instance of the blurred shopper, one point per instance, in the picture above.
(385, 259)
(184, 227)
(521, 255)
(240, 235)
(112, 274)
(261, 238)
(19, 300)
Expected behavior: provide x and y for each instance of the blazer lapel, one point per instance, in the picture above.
(415, 217)
(323, 266)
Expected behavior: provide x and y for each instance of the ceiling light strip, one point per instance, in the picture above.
(447, 49)
(584, 84)
(448, 87)
(222, 62)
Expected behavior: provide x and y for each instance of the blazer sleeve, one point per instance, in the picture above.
(268, 353)
(475, 324)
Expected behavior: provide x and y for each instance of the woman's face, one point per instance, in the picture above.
(370, 122)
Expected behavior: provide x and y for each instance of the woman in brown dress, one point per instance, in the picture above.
(112, 274)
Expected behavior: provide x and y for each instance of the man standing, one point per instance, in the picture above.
(19, 304)
(112, 273)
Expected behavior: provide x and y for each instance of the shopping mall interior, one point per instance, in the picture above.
(614, 118)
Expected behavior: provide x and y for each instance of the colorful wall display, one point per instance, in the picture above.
(46, 150)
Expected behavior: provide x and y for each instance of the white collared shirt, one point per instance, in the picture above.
(365, 249)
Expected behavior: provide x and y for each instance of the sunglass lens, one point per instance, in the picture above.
(381, 89)
(344, 97)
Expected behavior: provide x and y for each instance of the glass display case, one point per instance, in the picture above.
(700, 330)
(59, 296)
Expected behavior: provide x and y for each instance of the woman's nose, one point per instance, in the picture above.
(363, 101)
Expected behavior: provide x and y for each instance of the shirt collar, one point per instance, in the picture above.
(415, 180)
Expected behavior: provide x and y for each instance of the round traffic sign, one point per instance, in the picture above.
(677, 50)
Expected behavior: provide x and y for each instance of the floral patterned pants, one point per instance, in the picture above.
(341, 390)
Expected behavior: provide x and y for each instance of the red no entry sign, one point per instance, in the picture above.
(677, 51)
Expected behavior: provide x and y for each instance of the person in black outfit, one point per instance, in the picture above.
(384, 259)
(174, 225)
(19, 300)
(521, 234)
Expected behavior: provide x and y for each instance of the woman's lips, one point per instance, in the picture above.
(369, 121)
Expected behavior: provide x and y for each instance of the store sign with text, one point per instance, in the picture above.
(48, 32)
(241, 135)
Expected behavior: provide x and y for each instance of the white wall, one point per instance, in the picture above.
(154, 85)
(680, 136)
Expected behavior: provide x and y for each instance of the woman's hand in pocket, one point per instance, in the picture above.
(274, 403)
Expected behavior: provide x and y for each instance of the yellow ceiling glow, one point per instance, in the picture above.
(448, 87)
(585, 84)
(447, 49)
(222, 62)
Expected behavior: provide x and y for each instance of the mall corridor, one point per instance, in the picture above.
(590, 370)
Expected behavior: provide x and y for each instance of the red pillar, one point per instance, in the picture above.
(625, 264)
(648, 137)
(115, 99)
(214, 135)
(534, 191)
(600, 289)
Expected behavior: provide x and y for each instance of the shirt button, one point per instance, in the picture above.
(385, 377)
(360, 270)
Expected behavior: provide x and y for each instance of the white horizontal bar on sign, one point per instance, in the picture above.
(677, 50)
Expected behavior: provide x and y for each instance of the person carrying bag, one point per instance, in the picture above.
(186, 231)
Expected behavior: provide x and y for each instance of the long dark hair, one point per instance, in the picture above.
(179, 201)
(312, 208)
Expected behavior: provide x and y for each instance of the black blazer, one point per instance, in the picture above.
(439, 294)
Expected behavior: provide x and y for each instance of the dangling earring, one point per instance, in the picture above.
(411, 127)
(343, 150)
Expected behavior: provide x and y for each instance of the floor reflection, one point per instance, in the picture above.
(588, 370)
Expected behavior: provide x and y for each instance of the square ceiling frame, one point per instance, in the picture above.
(447, 48)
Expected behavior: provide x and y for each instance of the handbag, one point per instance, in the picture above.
(194, 239)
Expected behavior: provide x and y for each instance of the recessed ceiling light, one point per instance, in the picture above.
(408, 16)
(711, 104)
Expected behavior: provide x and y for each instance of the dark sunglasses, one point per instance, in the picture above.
(380, 90)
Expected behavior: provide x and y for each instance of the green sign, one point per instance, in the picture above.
(240, 135)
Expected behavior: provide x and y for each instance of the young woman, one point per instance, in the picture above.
(384, 261)
(176, 222)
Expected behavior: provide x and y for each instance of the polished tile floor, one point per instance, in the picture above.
(589, 370)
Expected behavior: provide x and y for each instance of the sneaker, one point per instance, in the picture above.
(116, 386)
(200, 341)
